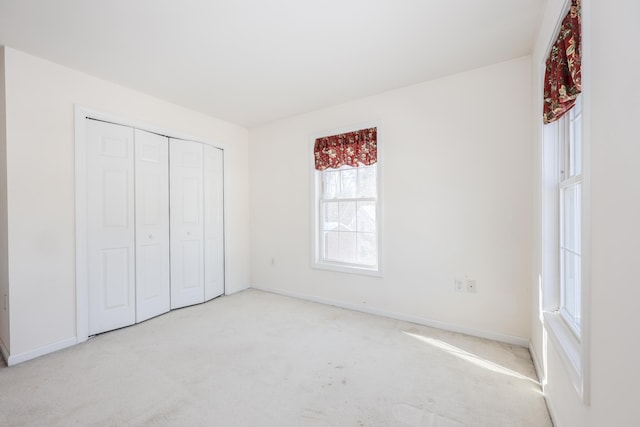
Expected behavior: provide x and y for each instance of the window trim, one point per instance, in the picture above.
(316, 262)
(574, 353)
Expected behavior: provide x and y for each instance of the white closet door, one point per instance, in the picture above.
(152, 225)
(187, 230)
(213, 223)
(110, 226)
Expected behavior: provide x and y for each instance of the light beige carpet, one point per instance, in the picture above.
(258, 359)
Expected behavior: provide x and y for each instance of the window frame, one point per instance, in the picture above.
(574, 354)
(317, 261)
(572, 344)
(569, 178)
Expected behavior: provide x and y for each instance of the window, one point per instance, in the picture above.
(564, 284)
(346, 204)
(565, 245)
(348, 216)
(570, 193)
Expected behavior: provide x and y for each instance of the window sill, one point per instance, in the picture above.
(569, 349)
(343, 268)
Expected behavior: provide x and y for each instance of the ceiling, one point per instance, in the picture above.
(251, 62)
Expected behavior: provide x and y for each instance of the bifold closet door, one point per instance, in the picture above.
(213, 222)
(110, 226)
(187, 227)
(152, 225)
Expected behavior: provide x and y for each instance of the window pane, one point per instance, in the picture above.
(571, 286)
(571, 217)
(572, 151)
(330, 216)
(367, 181)
(577, 146)
(367, 217)
(575, 138)
(367, 249)
(348, 227)
(349, 183)
(348, 216)
(348, 247)
(330, 184)
(331, 248)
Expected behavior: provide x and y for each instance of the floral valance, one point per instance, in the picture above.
(563, 77)
(352, 148)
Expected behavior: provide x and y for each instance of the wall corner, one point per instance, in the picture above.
(4, 255)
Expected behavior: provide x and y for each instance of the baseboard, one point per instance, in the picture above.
(235, 291)
(41, 351)
(536, 364)
(5, 352)
(519, 341)
(543, 381)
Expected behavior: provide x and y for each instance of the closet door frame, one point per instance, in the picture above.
(81, 114)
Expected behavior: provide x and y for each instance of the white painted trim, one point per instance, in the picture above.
(232, 292)
(585, 297)
(569, 352)
(542, 380)
(536, 364)
(5, 352)
(226, 219)
(495, 336)
(315, 264)
(80, 180)
(552, 412)
(568, 347)
(81, 114)
(41, 351)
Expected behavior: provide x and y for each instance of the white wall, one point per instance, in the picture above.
(4, 275)
(610, 33)
(40, 169)
(457, 179)
(615, 210)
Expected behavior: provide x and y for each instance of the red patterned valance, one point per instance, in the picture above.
(353, 149)
(563, 77)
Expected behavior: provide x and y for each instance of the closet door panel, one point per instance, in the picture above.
(213, 222)
(187, 227)
(110, 226)
(152, 225)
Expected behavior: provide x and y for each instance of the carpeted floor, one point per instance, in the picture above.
(258, 359)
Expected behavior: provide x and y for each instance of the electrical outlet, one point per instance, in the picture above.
(459, 285)
(471, 286)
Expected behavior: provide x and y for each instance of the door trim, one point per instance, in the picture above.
(82, 113)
